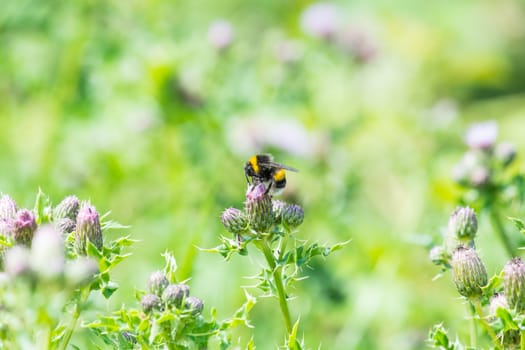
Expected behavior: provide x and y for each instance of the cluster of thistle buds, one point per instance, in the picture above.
(261, 214)
(164, 295)
(481, 164)
(32, 246)
(470, 277)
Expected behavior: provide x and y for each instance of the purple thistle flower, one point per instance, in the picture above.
(320, 20)
(24, 227)
(220, 34)
(258, 208)
(68, 208)
(88, 228)
(8, 208)
(482, 135)
(234, 221)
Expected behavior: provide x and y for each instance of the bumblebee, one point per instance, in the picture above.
(262, 169)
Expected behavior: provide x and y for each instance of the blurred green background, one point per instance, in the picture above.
(151, 108)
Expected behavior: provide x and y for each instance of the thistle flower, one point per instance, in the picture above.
(88, 228)
(480, 176)
(498, 301)
(47, 253)
(468, 272)
(220, 34)
(175, 293)
(8, 208)
(16, 261)
(24, 227)
(482, 135)
(505, 152)
(293, 215)
(65, 226)
(234, 220)
(80, 271)
(278, 209)
(68, 208)
(194, 304)
(157, 282)
(514, 283)
(320, 20)
(258, 208)
(150, 302)
(439, 256)
(463, 225)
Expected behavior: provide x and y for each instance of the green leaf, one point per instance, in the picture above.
(520, 224)
(439, 337)
(506, 318)
(43, 208)
(493, 285)
(171, 266)
(109, 289)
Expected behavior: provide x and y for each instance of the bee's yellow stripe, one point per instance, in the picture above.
(253, 162)
(279, 175)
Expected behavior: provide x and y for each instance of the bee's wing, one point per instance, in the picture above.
(282, 166)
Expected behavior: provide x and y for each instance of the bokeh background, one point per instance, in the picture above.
(150, 109)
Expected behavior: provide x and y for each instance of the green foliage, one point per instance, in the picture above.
(175, 326)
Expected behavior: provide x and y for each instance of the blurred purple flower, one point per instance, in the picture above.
(288, 51)
(358, 42)
(320, 20)
(220, 34)
(250, 135)
(24, 227)
(482, 135)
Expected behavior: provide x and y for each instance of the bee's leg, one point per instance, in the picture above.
(269, 188)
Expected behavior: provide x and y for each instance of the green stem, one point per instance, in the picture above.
(500, 230)
(278, 280)
(485, 324)
(522, 340)
(74, 319)
(473, 337)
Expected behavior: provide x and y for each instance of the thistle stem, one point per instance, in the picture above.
(74, 319)
(473, 333)
(500, 230)
(485, 324)
(522, 340)
(278, 280)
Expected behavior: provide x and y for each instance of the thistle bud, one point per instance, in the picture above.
(6, 227)
(68, 208)
(482, 135)
(157, 282)
(81, 271)
(88, 228)
(498, 301)
(150, 302)
(320, 20)
(220, 34)
(258, 208)
(463, 225)
(8, 208)
(278, 209)
(468, 272)
(234, 221)
(439, 256)
(505, 153)
(17, 261)
(514, 283)
(65, 226)
(480, 176)
(293, 215)
(47, 253)
(194, 304)
(24, 227)
(175, 293)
